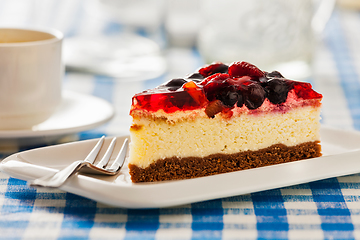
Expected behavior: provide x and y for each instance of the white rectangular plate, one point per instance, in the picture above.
(340, 157)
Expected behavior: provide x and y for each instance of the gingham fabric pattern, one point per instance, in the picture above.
(327, 209)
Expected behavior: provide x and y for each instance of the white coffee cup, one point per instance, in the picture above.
(31, 73)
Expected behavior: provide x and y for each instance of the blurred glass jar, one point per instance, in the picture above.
(272, 34)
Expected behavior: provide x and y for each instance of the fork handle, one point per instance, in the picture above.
(56, 180)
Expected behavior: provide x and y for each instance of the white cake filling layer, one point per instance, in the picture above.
(153, 140)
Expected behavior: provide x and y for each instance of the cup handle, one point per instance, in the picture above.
(322, 15)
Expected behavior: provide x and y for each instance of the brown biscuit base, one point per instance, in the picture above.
(191, 167)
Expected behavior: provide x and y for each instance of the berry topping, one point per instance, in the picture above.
(277, 90)
(220, 88)
(254, 95)
(239, 69)
(213, 68)
(175, 84)
(213, 108)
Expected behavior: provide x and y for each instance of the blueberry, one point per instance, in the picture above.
(196, 80)
(228, 95)
(240, 101)
(254, 95)
(195, 76)
(231, 98)
(228, 98)
(175, 84)
(274, 74)
(277, 90)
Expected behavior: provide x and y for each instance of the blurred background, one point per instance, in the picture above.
(131, 45)
(134, 40)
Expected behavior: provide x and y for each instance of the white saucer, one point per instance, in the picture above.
(77, 112)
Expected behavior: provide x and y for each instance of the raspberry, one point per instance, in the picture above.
(215, 84)
(305, 91)
(239, 69)
(213, 68)
(218, 77)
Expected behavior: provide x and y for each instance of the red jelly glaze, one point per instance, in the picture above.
(194, 95)
(189, 97)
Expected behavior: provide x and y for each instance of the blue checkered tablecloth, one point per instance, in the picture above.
(327, 209)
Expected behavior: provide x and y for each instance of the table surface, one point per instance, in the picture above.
(324, 209)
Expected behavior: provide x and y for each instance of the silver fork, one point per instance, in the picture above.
(56, 180)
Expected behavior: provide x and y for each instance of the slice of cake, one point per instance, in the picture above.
(220, 119)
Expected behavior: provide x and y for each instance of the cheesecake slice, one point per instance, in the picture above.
(220, 119)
